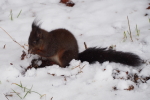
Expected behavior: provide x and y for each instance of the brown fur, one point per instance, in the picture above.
(58, 45)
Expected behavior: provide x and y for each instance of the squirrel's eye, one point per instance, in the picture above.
(34, 42)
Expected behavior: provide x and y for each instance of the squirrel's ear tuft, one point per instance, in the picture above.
(36, 28)
(36, 24)
(33, 25)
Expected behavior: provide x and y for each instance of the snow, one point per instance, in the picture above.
(100, 23)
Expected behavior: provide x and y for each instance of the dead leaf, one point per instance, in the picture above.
(67, 3)
(131, 87)
(148, 7)
(64, 1)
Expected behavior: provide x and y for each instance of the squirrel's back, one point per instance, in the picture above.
(63, 38)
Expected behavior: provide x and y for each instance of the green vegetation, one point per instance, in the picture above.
(26, 90)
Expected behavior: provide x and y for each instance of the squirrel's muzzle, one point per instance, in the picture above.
(30, 51)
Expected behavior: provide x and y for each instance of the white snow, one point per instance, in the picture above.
(100, 23)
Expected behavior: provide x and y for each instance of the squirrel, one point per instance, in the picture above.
(60, 46)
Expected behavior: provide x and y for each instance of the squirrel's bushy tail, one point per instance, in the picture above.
(102, 54)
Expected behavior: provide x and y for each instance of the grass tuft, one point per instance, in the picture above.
(17, 94)
(26, 90)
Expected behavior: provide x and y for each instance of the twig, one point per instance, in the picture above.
(13, 39)
(76, 67)
(81, 69)
(85, 45)
(129, 29)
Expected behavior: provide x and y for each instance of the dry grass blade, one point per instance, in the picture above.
(76, 67)
(13, 39)
(17, 94)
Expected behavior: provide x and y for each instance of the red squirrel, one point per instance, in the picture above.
(60, 46)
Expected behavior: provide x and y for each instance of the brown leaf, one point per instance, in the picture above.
(67, 2)
(131, 87)
(29, 67)
(9, 95)
(65, 79)
(148, 7)
(64, 1)
(115, 88)
(136, 77)
(53, 74)
(118, 71)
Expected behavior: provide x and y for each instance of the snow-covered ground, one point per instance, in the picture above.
(101, 23)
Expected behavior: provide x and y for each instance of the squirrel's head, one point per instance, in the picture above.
(35, 40)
